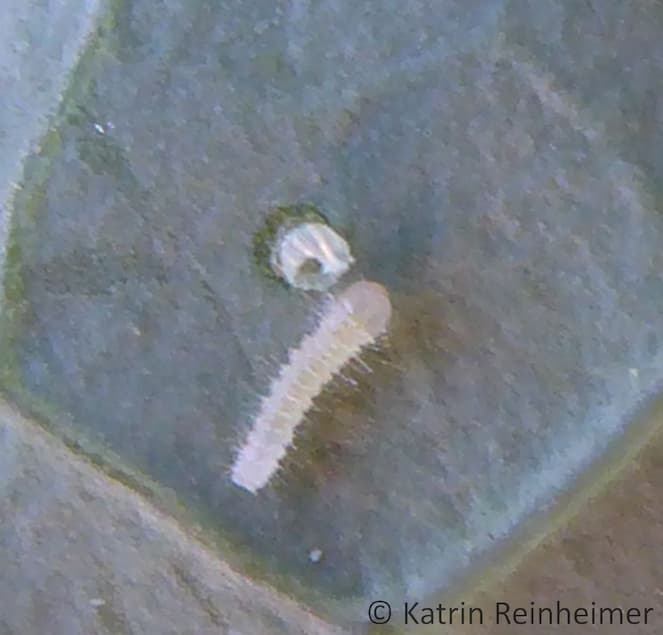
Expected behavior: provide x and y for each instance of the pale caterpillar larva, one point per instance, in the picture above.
(354, 319)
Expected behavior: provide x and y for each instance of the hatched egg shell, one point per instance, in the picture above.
(311, 256)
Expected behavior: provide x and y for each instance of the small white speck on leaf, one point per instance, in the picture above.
(315, 555)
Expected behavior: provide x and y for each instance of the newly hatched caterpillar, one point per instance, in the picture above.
(355, 319)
